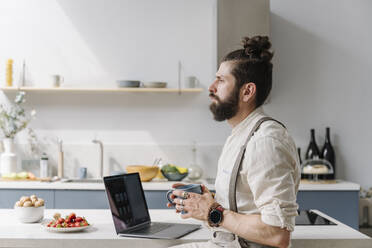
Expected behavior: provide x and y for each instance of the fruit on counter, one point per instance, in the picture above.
(20, 175)
(70, 220)
(171, 168)
(30, 201)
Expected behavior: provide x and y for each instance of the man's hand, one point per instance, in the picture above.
(196, 205)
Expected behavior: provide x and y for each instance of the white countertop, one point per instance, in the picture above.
(339, 186)
(102, 232)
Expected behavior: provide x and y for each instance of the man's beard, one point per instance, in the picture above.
(224, 110)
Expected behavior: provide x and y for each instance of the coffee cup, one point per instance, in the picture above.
(191, 82)
(57, 80)
(83, 172)
(192, 188)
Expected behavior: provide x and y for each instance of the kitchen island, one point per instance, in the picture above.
(102, 232)
(334, 199)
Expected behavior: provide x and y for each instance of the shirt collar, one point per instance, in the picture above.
(248, 120)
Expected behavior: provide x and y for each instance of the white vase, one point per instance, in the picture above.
(8, 157)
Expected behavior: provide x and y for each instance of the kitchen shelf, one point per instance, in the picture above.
(103, 90)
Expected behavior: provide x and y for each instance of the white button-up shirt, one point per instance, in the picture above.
(269, 175)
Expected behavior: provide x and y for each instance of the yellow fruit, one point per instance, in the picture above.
(181, 170)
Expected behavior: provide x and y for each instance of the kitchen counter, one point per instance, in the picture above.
(333, 199)
(102, 232)
(339, 186)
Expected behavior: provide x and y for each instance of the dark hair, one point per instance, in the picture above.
(253, 64)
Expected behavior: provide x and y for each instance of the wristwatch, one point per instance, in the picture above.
(215, 216)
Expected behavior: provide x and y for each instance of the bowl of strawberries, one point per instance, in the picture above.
(71, 223)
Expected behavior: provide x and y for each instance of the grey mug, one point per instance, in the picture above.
(192, 188)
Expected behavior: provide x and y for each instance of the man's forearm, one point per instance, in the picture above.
(250, 227)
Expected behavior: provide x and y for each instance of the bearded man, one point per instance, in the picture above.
(258, 171)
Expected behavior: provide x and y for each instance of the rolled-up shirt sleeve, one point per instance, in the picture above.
(272, 174)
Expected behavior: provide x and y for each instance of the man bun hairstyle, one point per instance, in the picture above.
(253, 64)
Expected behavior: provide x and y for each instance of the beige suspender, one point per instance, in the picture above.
(235, 172)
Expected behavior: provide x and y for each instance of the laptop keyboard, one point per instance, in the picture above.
(152, 228)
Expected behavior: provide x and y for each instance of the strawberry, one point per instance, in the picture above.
(78, 219)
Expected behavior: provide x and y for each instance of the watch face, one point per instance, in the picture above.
(216, 216)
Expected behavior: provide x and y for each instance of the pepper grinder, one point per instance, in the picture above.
(60, 159)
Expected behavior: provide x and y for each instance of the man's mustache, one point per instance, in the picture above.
(214, 96)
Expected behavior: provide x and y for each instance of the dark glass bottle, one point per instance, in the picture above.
(328, 153)
(300, 160)
(299, 154)
(312, 152)
(312, 149)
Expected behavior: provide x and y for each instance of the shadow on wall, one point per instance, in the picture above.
(312, 78)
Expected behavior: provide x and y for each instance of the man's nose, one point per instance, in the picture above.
(212, 87)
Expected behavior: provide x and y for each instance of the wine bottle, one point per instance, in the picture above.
(328, 154)
(299, 154)
(312, 152)
(312, 149)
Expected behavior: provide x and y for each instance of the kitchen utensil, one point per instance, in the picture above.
(155, 85)
(156, 162)
(146, 172)
(60, 159)
(128, 83)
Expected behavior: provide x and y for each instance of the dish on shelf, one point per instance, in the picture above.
(155, 85)
(128, 83)
(173, 172)
(147, 173)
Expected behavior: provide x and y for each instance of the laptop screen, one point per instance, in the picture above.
(127, 201)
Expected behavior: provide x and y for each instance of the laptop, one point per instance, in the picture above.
(130, 212)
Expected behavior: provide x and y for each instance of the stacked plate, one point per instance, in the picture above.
(128, 83)
(155, 85)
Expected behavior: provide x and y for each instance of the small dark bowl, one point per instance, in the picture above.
(128, 83)
(174, 176)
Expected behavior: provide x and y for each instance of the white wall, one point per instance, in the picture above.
(322, 77)
(92, 43)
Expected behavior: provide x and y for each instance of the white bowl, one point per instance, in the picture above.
(29, 214)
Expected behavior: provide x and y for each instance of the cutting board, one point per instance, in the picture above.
(47, 179)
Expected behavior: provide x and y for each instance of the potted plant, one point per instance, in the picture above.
(13, 119)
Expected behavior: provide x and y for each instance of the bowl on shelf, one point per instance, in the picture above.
(128, 83)
(155, 85)
(147, 173)
(174, 176)
(29, 214)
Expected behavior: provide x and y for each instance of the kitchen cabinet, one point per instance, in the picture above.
(77, 199)
(340, 204)
(8, 197)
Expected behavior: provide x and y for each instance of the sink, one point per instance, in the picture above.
(86, 180)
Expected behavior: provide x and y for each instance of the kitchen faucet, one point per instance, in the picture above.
(101, 156)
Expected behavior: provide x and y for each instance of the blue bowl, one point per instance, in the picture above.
(174, 176)
(128, 83)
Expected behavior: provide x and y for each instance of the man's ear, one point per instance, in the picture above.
(248, 91)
